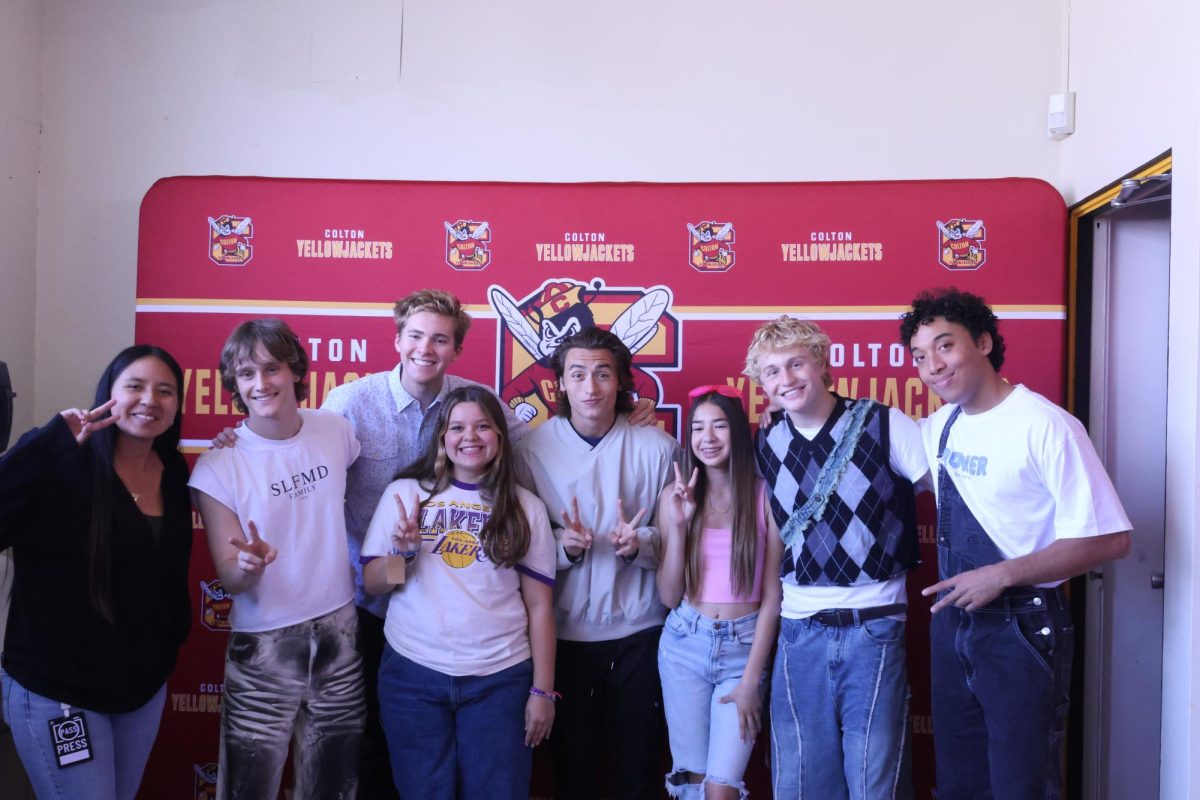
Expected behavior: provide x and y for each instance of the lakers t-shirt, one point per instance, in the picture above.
(456, 612)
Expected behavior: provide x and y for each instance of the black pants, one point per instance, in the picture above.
(374, 765)
(611, 705)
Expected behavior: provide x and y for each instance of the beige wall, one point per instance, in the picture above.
(1133, 66)
(20, 118)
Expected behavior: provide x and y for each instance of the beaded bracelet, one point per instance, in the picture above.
(552, 696)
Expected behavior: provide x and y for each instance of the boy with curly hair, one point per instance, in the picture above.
(1023, 504)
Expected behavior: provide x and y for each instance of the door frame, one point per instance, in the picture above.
(1081, 251)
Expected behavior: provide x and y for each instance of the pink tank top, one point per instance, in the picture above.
(716, 553)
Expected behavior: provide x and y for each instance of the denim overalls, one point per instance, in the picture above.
(1000, 674)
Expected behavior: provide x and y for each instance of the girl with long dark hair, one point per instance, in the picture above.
(95, 508)
(720, 574)
(466, 683)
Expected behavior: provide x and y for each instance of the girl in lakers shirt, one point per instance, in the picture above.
(720, 575)
(466, 683)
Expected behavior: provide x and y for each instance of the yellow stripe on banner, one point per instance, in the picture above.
(187, 305)
(208, 305)
(892, 313)
(788, 309)
(219, 302)
(844, 309)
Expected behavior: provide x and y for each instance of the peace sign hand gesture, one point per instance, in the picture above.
(624, 537)
(681, 503)
(253, 555)
(84, 423)
(407, 536)
(575, 537)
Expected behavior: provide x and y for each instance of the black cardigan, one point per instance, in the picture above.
(57, 645)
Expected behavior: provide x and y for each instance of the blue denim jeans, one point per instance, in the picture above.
(1001, 680)
(302, 685)
(839, 711)
(120, 746)
(455, 736)
(1001, 674)
(700, 660)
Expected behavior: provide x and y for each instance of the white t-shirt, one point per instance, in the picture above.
(294, 491)
(1028, 472)
(906, 456)
(456, 612)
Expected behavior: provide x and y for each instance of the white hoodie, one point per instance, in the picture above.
(600, 597)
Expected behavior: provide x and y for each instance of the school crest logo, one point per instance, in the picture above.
(229, 240)
(215, 605)
(467, 244)
(532, 328)
(710, 246)
(960, 243)
(204, 781)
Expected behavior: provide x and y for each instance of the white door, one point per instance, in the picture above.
(1123, 658)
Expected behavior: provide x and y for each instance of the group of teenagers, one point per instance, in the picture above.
(413, 561)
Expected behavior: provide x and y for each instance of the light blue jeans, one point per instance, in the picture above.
(839, 711)
(120, 746)
(700, 660)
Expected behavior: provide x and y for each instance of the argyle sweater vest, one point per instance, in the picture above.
(868, 529)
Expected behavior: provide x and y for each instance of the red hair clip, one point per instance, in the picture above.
(723, 389)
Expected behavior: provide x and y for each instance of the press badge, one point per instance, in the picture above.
(69, 736)
(395, 569)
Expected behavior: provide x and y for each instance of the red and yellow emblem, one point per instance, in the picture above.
(710, 246)
(205, 783)
(229, 240)
(215, 605)
(467, 244)
(532, 328)
(960, 243)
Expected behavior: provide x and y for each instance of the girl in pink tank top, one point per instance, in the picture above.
(719, 573)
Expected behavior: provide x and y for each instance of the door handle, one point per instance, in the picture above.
(1156, 580)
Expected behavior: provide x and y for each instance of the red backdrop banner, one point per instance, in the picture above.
(683, 273)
